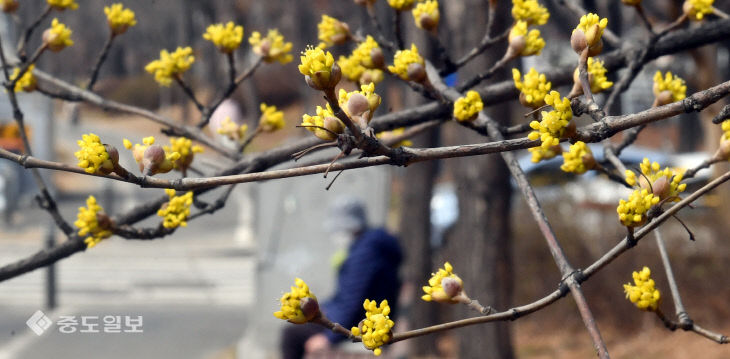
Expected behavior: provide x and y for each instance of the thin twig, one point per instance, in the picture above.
(100, 61)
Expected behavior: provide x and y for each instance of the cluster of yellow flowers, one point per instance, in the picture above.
(364, 64)
(271, 119)
(324, 124)
(408, 65)
(93, 156)
(27, 82)
(375, 329)
(664, 183)
(467, 108)
(578, 159)
(318, 66)
(632, 213)
(596, 76)
(360, 105)
(588, 34)
(272, 47)
(524, 43)
(668, 88)
(186, 149)
(643, 293)
(533, 88)
(401, 5)
(444, 286)
(93, 223)
(539, 153)
(723, 152)
(232, 130)
(298, 305)
(61, 5)
(553, 124)
(176, 211)
(426, 15)
(332, 32)
(119, 18)
(227, 38)
(526, 13)
(385, 135)
(697, 9)
(529, 11)
(171, 65)
(57, 37)
(152, 158)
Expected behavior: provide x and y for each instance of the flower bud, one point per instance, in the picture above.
(104, 221)
(333, 124)
(427, 22)
(661, 187)
(416, 72)
(578, 41)
(377, 58)
(310, 307)
(588, 161)
(663, 98)
(357, 105)
(723, 152)
(517, 44)
(452, 286)
(153, 157)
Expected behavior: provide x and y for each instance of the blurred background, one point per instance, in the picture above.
(208, 291)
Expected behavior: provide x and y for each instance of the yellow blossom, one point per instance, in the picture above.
(319, 67)
(332, 32)
(426, 14)
(401, 5)
(299, 305)
(725, 130)
(386, 135)
(643, 293)
(578, 159)
(272, 47)
(360, 105)
(227, 38)
(596, 76)
(632, 212)
(467, 108)
(444, 286)
(403, 61)
(553, 124)
(375, 329)
(152, 158)
(369, 54)
(27, 82)
(61, 5)
(529, 11)
(176, 211)
(171, 65)
(533, 88)
(57, 37)
(119, 18)
(669, 88)
(723, 152)
(93, 223)
(697, 9)
(324, 124)
(588, 34)
(271, 119)
(93, 156)
(525, 43)
(351, 67)
(186, 149)
(232, 130)
(664, 183)
(540, 154)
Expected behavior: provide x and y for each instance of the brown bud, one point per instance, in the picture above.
(589, 161)
(578, 41)
(596, 49)
(663, 98)
(427, 22)
(310, 307)
(113, 153)
(516, 46)
(153, 157)
(334, 124)
(357, 104)
(104, 221)
(661, 187)
(377, 57)
(452, 286)
(724, 150)
(416, 72)
(570, 130)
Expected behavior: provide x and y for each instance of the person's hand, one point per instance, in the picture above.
(317, 343)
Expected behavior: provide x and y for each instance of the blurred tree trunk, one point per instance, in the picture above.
(481, 249)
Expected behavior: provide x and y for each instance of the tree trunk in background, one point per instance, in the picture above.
(481, 249)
